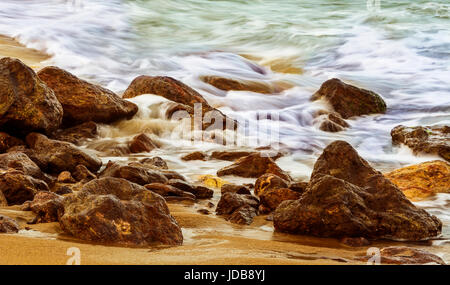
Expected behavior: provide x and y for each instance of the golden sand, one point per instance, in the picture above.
(11, 48)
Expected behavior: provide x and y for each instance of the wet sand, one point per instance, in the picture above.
(11, 48)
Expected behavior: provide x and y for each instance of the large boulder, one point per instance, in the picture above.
(8, 225)
(349, 100)
(422, 180)
(116, 211)
(57, 156)
(431, 140)
(253, 166)
(83, 101)
(135, 173)
(26, 103)
(346, 197)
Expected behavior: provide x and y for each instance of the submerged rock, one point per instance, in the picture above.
(116, 211)
(254, 166)
(346, 197)
(57, 156)
(77, 133)
(228, 84)
(348, 100)
(422, 180)
(83, 101)
(8, 225)
(432, 140)
(141, 143)
(135, 173)
(230, 155)
(26, 103)
(332, 122)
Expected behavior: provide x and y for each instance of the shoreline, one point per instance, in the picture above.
(9, 47)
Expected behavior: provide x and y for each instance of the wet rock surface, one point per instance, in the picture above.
(271, 199)
(228, 84)
(431, 140)
(116, 211)
(134, 172)
(230, 155)
(83, 101)
(348, 100)
(141, 143)
(346, 197)
(26, 103)
(422, 180)
(253, 165)
(197, 155)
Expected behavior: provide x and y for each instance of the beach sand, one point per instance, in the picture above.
(11, 48)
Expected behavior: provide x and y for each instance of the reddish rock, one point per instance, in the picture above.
(21, 162)
(65, 177)
(332, 122)
(141, 143)
(8, 225)
(299, 186)
(135, 173)
(77, 134)
(169, 191)
(348, 100)
(432, 140)
(115, 211)
(270, 199)
(238, 208)
(18, 187)
(81, 173)
(253, 165)
(26, 103)
(346, 197)
(47, 206)
(200, 192)
(233, 188)
(197, 155)
(268, 182)
(7, 142)
(83, 101)
(57, 156)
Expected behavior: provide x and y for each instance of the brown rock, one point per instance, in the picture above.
(61, 189)
(355, 242)
(432, 140)
(3, 201)
(332, 122)
(243, 215)
(253, 165)
(141, 143)
(83, 101)
(349, 100)
(197, 155)
(230, 155)
(346, 197)
(8, 225)
(77, 133)
(407, 255)
(238, 208)
(110, 147)
(135, 173)
(233, 188)
(65, 177)
(7, 142)
(21, 162)
(47, 206)
(169, 191)
(200, 192)
(270, 199)
(299, 186)
(156, 161)
(268, 182)
(228, 84)
(57, 156)
(18, 187)
(81, 173)
(203, 211)
(115, 211)
(26, 103)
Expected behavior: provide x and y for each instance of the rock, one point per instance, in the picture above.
(238, 208)
(348, 100)
(332, 122)
(355, 242)
(135, 173)
(422, 180)
(8, 225)
(268, 182)
(47, 206)
(203, 211)
(110, 147)
(233, 188)
(243, 215)
(197, 155)
(299, 187)
(175, 91)
(7, 142)
(18, 187)
(21, 162)
(83, 101)
(65, 177)
(3, 201)
(169, 191)
(81, 173)
(228, 84)
(407, 255)
(230, 155)
(141, 143)
(77, 134)
(57, 156)
(270, 199)
(432, 140)
(200, 192)
(254, 166)
(27, 103)
(116, 211)
(346, 197)
(170, 174)
(156, 161)
(61, 189)
(212, 181)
